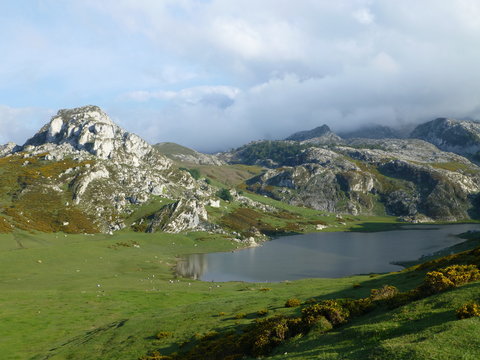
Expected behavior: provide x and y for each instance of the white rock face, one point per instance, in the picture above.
(214, 203)
(7, 149)
(115, 170)
(185, 214)
(85, 180)
(89, 129)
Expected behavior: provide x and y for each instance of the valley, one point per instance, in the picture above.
(93, 221)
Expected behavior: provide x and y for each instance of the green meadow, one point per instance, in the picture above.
(108, 296)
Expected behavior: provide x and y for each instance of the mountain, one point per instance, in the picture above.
(184, 154)
(83, 173)
(408, 178)
(321, 135)
(372, 132)
(458, 136)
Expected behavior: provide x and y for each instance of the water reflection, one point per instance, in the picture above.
(322, 255)
(193, 267)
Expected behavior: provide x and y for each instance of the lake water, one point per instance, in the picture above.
(324, 254)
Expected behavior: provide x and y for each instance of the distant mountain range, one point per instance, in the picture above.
(83, 173)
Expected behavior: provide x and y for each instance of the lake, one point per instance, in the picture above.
(323, 254)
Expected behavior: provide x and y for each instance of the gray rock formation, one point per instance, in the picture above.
(186, 155)
(319, 135)
(458, 136)
(408, 178)
(117, 171)
(182, 215)
(8, 148)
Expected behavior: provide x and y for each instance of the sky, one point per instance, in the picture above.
(215, 74)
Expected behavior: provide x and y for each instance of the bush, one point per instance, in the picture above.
(224, 194)
(468, 310)
(194, 172)
(163, 334)
(403, 298)
(240, 316)
(449, 277)
(357, 307)
(266, 334)
(262, 312)
(293, 302)
(332, 310)
(384, 293)
(322, 325)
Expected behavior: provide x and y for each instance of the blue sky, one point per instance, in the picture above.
(216, 74)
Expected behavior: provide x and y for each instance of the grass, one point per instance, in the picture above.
(52, 304)
(95, 297)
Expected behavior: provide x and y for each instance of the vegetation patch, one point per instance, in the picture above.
(468, 310)
(263, 336)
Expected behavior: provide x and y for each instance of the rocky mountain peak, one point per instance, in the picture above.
(319, 131)
(87, 129)
(458, 136)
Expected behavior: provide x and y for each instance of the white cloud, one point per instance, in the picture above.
(364, 16)
(206, 73)
(213, 95)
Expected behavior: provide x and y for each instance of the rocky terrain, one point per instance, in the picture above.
(458, 136)
(95, 176)
(319, 135)
(83, 173)
(408, 178)
(185, 155)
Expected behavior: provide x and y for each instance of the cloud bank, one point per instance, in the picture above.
(216, 74)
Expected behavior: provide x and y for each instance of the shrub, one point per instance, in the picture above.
(332, 310)
(155, 355)
(384, 293)
(209, 335)
(163, 334)
(262, 312)
(240, 316)
(357, 307)
(322, 325)
(224, 194)
(194, 172)
(449, 277)
(468, 310)
(293, 302)
(262, 337)
(403, 298)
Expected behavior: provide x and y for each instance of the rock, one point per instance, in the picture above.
(182, 215)
(214, 203)
(458, 136)
(8, 149)
(319, 135)
(407, 177)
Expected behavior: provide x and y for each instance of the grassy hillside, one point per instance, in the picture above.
(109, 297)
(66, 295)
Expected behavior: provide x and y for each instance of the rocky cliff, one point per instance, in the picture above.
(409, 178)
(458, 136)
(319, 135)
(98, 169)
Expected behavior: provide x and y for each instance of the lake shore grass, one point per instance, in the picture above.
(107, 296)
